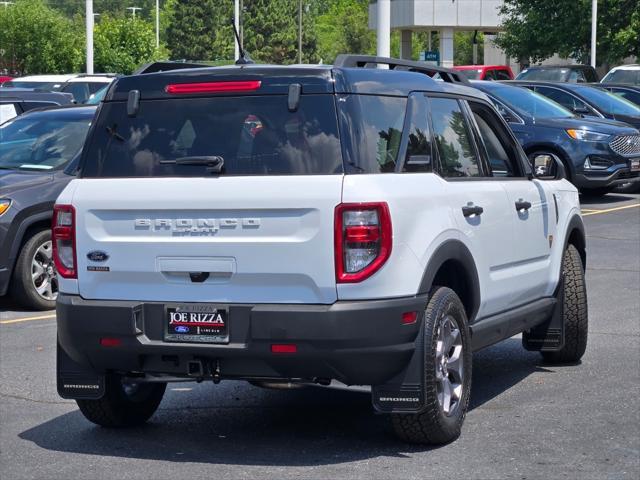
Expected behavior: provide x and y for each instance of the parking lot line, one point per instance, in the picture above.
(607, 210)
(28, 319)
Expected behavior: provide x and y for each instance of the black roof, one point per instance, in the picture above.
(22, 95)
(572, 87)
(554, 67)
(400, 80)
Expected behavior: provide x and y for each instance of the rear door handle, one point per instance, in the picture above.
(469, 210)
(522, 205)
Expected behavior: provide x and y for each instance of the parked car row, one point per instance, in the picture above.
(590, 130)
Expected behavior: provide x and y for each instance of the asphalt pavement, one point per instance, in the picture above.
(527, 419)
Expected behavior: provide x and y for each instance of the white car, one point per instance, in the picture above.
(308, 225)
(81, 86)
(629, 74)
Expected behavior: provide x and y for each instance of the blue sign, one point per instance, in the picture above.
(430, 56)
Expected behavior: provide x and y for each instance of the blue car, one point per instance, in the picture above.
(598, 154)
(39, 152)
(587, 101)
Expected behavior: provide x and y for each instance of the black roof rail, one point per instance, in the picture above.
(370, 61)
(167, 65)
(109, 75)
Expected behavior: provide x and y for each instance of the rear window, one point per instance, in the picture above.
(545, 74)
(254, 135)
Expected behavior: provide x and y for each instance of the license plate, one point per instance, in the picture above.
(196, 323)
(635, 164)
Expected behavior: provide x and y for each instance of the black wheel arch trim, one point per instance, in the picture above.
(457, 251)
(579, 239)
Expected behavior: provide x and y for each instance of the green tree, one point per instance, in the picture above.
(343, 27)
(194, 26)
(37, 39)
(536, 29)
(123, 44)
(271, 31)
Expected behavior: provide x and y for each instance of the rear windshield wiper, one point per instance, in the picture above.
(214, 163)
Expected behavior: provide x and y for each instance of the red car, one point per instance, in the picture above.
(5, 78)
(486, 72)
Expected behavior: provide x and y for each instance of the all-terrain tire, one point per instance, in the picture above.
(433, 426)
(574, 310)
(22, 288)
(120, 408)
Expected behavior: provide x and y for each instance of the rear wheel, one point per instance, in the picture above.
(35, 283)
(574, 310)
(447, 379)
(124, 404)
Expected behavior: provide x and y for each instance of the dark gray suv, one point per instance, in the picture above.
(38, 157)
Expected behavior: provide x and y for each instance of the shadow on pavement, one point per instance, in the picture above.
(608, 199)
(245, 425)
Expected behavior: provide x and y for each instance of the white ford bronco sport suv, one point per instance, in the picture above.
(309, 224)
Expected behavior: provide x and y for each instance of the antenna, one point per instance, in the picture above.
(244, 56)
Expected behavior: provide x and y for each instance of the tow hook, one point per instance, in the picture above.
(216, 373)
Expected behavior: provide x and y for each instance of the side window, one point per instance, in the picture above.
(498, 145)
(453, 139)
(503, 75)
(490, 75)
(418, 143)
(577, 76)
(558, 96)
(371, 131)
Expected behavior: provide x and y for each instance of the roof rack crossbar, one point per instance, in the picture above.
(370, 61)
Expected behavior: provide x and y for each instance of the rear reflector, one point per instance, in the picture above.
(110, 342)
(283, 348)
(213, 87)
(409, 317)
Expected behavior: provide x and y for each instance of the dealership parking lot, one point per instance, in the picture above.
(526, 420)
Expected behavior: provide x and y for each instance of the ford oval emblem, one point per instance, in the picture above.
(182, 329)
(97, 256)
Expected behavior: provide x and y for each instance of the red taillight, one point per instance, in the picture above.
(213, 87)
(284, 348)
(63, 230)
(363, 238)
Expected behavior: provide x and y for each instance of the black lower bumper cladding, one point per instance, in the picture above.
(354, 342)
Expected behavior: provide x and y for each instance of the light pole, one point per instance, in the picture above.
(236, 20)
(157, 23)
(134, 10)
(594, 30)
(383, 29)
(89, 26)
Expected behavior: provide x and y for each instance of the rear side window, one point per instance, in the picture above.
(453, 139)
(254, 135)
(371, 131)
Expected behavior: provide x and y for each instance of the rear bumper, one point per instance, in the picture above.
(359, 342)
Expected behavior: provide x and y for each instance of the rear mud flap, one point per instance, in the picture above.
(76, 381)
(549, 335)
(404, 393)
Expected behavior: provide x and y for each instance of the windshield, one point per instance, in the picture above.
(623, 76)
(53, 86)
(36, 142)
(247, 135)
(97, 97)
(549, 74)
(525, 101)
(609, 103)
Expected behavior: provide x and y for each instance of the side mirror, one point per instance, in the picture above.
(548, 167)
(581, 110)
